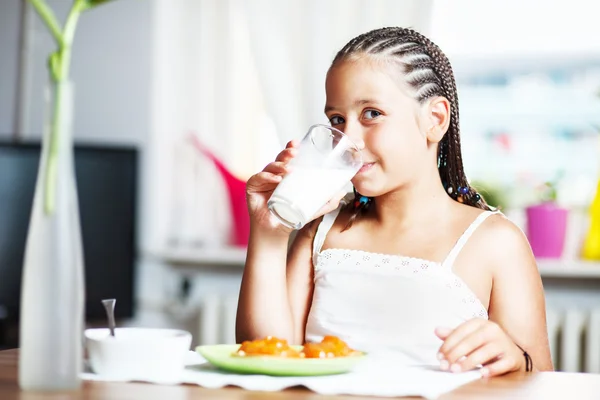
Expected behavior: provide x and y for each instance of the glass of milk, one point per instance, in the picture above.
(326, 161)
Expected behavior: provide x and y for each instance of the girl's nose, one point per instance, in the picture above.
(354, 133)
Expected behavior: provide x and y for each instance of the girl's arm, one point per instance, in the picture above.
(263, 307)
(276, 289)
(300, 280)
(517, 313)
(517, 302)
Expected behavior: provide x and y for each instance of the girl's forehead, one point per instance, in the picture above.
(365, 77)
(363, 68)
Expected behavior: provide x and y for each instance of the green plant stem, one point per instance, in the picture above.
(47, 15)
(59, 73)
(53, 150)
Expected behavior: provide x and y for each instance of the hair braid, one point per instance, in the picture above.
(428, 71)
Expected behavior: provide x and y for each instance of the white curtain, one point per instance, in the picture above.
(245, 76)
(295, 41)
(193, 93)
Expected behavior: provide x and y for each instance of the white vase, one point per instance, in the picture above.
(52, 292)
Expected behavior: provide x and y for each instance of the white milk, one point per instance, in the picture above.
(302, 192)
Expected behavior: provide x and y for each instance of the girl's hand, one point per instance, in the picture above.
(260, 187)
(479, 342)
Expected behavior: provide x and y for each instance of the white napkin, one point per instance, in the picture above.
(371, 378)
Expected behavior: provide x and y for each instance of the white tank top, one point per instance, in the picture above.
(390, 304)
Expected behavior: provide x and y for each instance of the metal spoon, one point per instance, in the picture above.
(109, 306)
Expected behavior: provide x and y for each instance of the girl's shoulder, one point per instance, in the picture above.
(494, 224)
(499, 231)
(500, 243)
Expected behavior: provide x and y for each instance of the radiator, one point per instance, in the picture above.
(216, 319)
(574, 336)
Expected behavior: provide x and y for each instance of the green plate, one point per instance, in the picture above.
(221, 356)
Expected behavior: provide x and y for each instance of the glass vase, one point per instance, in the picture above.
(52, 291)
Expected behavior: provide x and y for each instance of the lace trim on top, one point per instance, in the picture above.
(386, 258)
(388, 263)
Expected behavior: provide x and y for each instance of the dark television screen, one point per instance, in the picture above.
(107, 186)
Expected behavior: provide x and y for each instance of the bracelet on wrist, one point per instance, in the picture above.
(528, 360)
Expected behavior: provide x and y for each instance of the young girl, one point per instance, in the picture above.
(416, 264)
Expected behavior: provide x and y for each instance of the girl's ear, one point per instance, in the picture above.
(438, 113)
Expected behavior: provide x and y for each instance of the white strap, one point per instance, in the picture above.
(460, 243)
(322, 230)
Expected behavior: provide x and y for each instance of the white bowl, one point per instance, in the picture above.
(149, 354)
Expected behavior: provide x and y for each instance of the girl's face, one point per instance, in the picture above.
(368, 101)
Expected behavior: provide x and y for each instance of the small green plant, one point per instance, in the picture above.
(58, 67)
(493, 194)
(547, 192)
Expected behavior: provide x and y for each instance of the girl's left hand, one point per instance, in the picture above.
(479, 342)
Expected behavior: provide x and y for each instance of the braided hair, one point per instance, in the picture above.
(428, 72)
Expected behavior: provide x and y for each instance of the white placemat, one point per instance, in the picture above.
(375, 377)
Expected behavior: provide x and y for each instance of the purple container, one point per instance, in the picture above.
(546, 229)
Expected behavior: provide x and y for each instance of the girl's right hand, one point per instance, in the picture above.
(260, 187)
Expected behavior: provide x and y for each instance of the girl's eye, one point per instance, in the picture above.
(371, 114)
(336, 120)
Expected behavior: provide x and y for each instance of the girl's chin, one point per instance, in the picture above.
(363, 189)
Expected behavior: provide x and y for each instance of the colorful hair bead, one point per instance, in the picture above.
(360, 200)
(463, 190)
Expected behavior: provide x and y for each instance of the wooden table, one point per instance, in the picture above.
(547, 385)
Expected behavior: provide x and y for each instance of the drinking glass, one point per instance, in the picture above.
(325, 162)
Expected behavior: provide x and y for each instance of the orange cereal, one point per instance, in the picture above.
(269, 346)
(330, 346)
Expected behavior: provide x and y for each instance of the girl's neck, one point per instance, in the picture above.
(418, 202)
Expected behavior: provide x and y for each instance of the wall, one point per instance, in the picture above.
(112, 71)
(110, 67)
(9, 48)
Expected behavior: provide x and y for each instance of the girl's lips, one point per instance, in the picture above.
(365, 167)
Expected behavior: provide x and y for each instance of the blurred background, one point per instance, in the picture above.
(158, 83)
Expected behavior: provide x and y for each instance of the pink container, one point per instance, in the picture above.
(546, 229)
(236, 188)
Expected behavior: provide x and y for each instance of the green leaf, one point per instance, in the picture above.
(87, 4)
